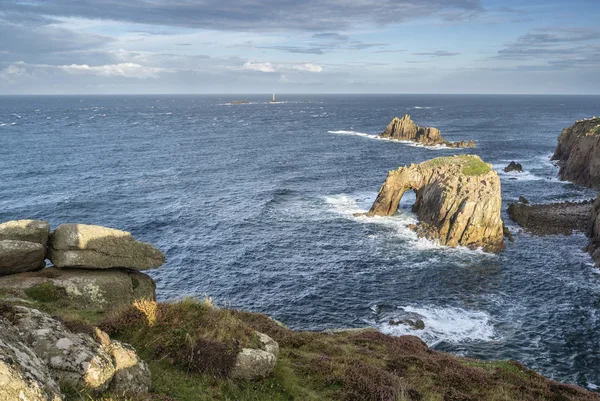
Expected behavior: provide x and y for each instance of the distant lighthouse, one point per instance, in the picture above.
(273, 98)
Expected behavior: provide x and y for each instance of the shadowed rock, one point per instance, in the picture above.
(578, 153)
(513, 167)
(458, 200)
(81, 288)
(20, 256)
(552, 218)
(405, 129)
(96, 247)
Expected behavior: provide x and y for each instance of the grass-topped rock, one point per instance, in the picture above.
(458, 200)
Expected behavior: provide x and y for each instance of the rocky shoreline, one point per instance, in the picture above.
(552, 218)
(405, 129)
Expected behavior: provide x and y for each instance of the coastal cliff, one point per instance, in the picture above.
(54, 346)
(578, 153)
(458, 201)
(405, 129)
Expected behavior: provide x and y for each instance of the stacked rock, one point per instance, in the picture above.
(93, 266)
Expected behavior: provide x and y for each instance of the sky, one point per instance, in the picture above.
(299, 46)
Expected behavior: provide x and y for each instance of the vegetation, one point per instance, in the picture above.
(46, 292)
(190, 345)
(594, 130)
(471, 165)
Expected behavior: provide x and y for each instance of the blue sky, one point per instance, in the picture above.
(313, 46)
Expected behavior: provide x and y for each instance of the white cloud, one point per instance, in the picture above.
(13, 71)
(269, 67)
(128, 70)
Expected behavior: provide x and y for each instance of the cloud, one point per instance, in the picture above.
(331, 36)
(281, 67)
(295, 49)
(13, 71)
(437, 53)
(127, 70)
(247, 15)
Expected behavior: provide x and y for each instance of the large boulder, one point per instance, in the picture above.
(81, 288)
(74, 359)
(252, 363)
(25, 230)
(405, 129)
(458, 200)
(23, 375)
(578, 153)
(96, 247)
(132, 375)
(20, 256)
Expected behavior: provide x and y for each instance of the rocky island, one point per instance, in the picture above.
(458, 200)
(78, 331)
(405, 129)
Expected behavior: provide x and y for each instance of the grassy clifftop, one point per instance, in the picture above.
(188, 346)
(471, 165)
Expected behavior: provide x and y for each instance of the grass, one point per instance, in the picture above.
(189, 346)
(471, 165)
(46, 292)
(594, 130)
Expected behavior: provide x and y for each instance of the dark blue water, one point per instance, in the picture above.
(253, 205)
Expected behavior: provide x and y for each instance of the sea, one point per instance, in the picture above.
(253, 205)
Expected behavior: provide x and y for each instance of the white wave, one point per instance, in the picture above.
(422, 107)
(351, 207)
(2, 124)
(442, 324)
(373, 136)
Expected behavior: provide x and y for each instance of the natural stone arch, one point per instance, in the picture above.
(458, 200)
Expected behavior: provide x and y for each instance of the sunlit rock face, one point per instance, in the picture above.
(405, 129)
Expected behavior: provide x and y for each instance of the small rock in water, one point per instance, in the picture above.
(513, 166)
(522, 199)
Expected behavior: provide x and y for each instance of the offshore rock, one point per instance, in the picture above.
(552, 218)
(23, 375)
(578, 153)
(83, 288)
(96, 247)
(405, 129)
(458, 201)
(20, 256)
(25, 230)
(513, 166)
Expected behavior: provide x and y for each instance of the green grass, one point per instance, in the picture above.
(341, 366)
(594, 130)
(46, 292)
(471, 165)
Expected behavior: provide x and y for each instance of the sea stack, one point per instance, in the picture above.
(405, 129)
(458, 201)
(578, 153)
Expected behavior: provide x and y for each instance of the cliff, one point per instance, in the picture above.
(578, 153)
(458, 200)
(405, 129)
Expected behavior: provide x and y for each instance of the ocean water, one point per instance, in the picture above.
(253, 205)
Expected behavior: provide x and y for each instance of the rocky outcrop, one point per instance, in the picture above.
(36, 231)
(405, 129)
(20, 256)
(23, 375)
(81, 288)
(96, 247)
(513, 167)
(252, 363)
(593, 232)
(54, 354)
(458, 200)
(578, 153)
(552, 218)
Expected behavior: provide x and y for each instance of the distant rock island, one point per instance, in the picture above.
(578, 153)
(405, 129)
(458, 201)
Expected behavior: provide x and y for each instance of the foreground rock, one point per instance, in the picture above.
(80, 289)
(553, 218)
(96, 247)
(513, 167)
(458, 200)
(23, 375)
(25, 230)
(578, 153)
(20, 256)
(405, 129)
